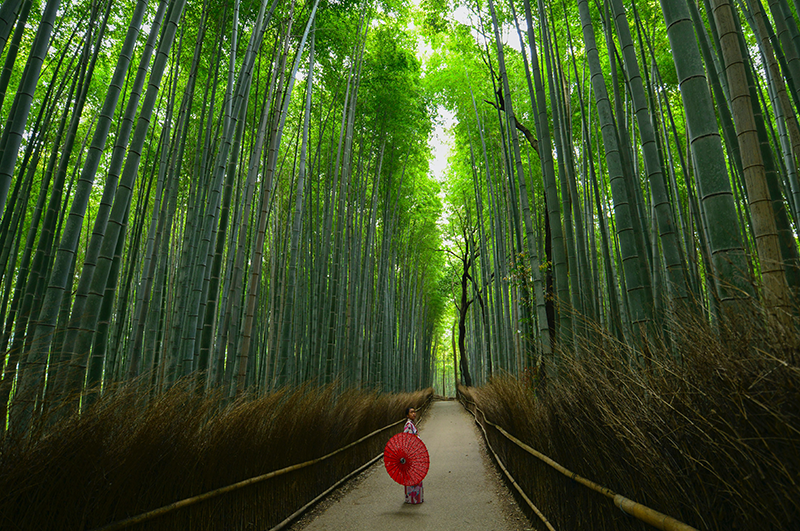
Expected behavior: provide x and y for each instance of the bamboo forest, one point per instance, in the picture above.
(232, 226)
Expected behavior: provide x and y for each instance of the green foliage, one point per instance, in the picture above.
(394, 95)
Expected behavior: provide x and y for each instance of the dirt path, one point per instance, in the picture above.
(463, 490)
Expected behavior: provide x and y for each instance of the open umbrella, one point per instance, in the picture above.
(406, 459)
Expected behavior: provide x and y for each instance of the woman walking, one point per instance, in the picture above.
(413, 492)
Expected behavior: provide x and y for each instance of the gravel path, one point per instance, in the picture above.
(463, 490)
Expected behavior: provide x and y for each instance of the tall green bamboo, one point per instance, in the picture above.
(231, 134)
(670, 245)
(31, 369)
(772, 271)
(551, 193)
(75, 375)
(114, 234)
(13, 47)
(727, 250)
(544, 342)
(288, 313)
(270, 170)
(68, 247)
(8, 13)
(634, 266)
(12, 135)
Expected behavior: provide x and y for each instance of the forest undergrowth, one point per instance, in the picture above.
(707, 432)
(128, 454)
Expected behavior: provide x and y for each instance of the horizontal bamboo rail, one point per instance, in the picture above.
(330, 489)
(637, 510)
(161, 511)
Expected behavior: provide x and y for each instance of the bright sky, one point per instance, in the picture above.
(440, 142)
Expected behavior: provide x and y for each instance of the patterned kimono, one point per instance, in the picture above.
(413, 492)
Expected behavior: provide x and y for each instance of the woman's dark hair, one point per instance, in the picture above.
(408, 410)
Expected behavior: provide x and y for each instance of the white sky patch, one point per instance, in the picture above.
(440, 142)
(424, 50)
(462, 14)
(508, 32)
(510, 35)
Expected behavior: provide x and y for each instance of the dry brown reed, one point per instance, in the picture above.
(127, 455)
(712, 440)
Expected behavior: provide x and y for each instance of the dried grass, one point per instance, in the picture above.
(713, 440)
(126, 456)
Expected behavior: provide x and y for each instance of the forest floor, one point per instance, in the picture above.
(463, 489)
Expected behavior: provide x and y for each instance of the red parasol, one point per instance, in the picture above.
(406, 459)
